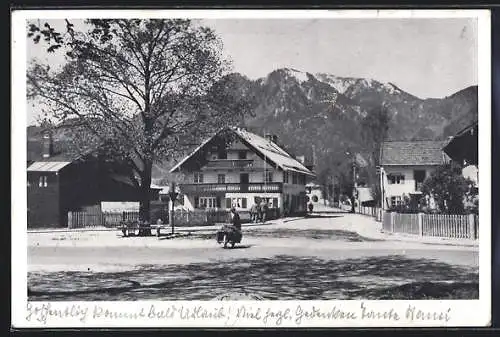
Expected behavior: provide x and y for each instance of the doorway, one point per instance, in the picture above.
(419, 176)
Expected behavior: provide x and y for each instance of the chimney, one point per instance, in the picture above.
(301, 159)
(272, 138)
(47, 144)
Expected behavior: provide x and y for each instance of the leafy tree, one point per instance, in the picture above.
(448, 187)
(134, 88)
(374, 131)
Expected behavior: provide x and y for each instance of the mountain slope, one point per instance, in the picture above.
(324, 112)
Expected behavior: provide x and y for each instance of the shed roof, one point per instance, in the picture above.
(413, 153)
(47, 166)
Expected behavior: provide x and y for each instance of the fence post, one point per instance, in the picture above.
(472, 227)
(420, 225)
(70, 219)
(392, 222)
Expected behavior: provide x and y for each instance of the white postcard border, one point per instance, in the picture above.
(462, 312)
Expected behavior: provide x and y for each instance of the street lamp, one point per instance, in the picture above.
(173, 196)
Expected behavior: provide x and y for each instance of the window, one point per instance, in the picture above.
(207, 202)
(419, 176)
(396, 178)
(269, 177)
(302, 179)
(294, 178)
(222, 154)
(244, 178)
(396, 201)
(285, 177)
(221, 178)
(198, 178)
(42, 182)
(237, 202)
(242, 154)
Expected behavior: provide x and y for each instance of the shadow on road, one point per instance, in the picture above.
(277, 278)
(323, 216)
(242, 246)
(282, 233)
(320, 234)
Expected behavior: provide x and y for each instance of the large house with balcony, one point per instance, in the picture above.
(237, 168)
(404, 165)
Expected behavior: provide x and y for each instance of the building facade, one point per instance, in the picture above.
(404, 166)
(314, 194)
(59, 182)
(237, 168)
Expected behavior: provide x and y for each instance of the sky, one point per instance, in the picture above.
(426, 57)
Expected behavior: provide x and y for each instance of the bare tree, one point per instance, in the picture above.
(133, 88)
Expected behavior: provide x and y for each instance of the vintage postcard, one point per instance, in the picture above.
(247, 168)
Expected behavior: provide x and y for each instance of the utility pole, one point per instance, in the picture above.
(382, 192)
(333, 189)
(173, 196)
(355, 182)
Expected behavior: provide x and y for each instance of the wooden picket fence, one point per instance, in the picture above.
(99, 219)
(96, 218)
(436, 225)
(212, 217)
(375, 212)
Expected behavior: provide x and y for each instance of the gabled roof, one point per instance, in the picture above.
(412, 153)
(464, 146)
(261, 145)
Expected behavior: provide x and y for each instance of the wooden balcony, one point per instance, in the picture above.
(229, 164)
(224, 188)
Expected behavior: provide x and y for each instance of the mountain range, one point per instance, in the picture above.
(324, 112)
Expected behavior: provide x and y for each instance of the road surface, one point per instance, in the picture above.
(337, 256)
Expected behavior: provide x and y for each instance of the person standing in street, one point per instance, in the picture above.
(263, 210)
(311, 207)
(235, 219)
(253, 212)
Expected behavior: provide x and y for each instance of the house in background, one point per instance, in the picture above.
(236, 168)
(314, 193)
(59, 182)
(364, 196)
(463, 149)
(404, 165)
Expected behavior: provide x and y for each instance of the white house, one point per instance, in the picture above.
(314, 193)
(404, 165)
(236, 168)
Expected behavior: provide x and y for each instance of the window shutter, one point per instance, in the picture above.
(196, 202)
(244, 203)
(228, 202)
(275, 202)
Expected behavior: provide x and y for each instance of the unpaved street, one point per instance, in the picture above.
(339, 256)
